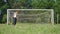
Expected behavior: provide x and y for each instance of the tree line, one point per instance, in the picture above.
(28, 4)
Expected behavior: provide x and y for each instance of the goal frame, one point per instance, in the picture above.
(52, 13)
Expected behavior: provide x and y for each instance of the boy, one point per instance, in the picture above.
(14, 18)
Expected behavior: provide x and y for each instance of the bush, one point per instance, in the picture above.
(4, 19)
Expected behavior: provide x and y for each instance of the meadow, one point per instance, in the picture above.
(30, 28)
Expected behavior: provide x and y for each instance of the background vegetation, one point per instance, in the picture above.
(28, 4)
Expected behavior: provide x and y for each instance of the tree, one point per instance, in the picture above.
(3, 8)
(42, 4)
(57, 10)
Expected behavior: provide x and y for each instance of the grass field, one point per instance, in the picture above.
(29, 28)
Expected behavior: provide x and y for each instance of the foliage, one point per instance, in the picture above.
(4, 18)
(42, 4)
(3, 8)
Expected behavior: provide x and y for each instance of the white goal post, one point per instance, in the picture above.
(47, 12)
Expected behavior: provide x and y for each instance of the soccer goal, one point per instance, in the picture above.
(31, 15)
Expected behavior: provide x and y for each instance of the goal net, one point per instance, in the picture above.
(31, 15)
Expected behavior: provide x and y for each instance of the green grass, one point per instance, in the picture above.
(29, 28)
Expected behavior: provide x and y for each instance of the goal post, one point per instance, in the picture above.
(32, 15)
(52, 16)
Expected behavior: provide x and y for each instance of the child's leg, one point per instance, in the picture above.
(15, 21)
